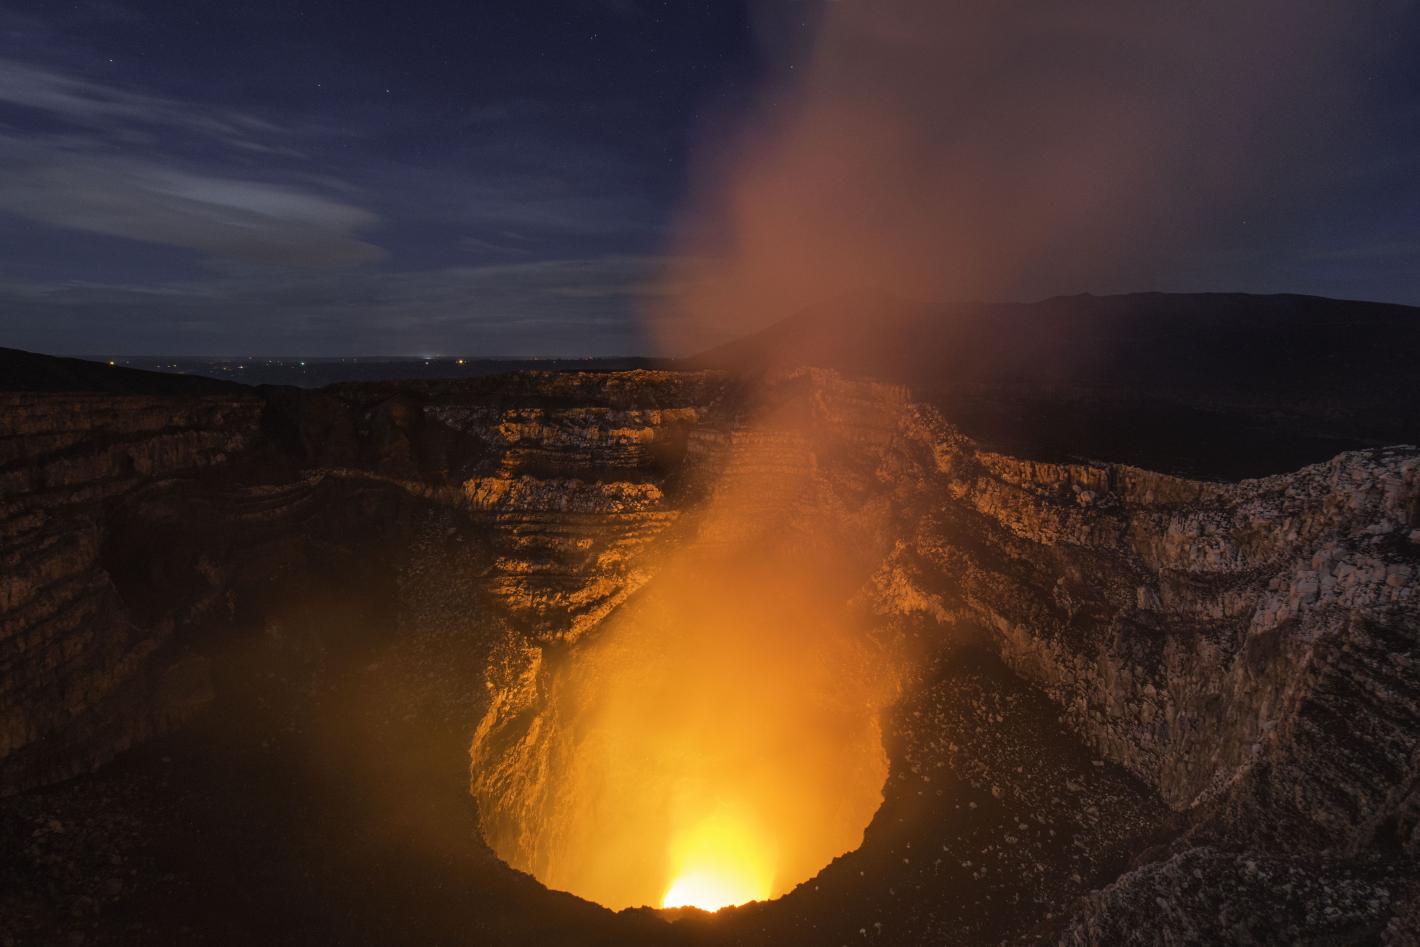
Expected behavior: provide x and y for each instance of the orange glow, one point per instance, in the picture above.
(712, 748)
(719, 862)
(717, 739)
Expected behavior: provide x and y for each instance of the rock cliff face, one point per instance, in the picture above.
(578, 479)
(1250, 651)
(131, 520)
(792, 470)
(69, 654)
(1246, 645)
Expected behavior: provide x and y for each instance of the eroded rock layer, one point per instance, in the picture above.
(131, 518)
(1203, 635)
(67, 648)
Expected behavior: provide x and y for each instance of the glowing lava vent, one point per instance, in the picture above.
(717, 742)
(718, 863)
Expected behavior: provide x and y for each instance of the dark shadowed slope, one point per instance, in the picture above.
(27, 371)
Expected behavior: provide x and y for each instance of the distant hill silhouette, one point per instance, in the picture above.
(1219, 385)
(29, 371)
(1212, 384)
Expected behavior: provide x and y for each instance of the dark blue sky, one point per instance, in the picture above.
(466, 177)
(334, 177)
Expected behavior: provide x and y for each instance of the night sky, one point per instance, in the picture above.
(476, 178)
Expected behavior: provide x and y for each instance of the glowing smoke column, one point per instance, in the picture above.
(718, 739)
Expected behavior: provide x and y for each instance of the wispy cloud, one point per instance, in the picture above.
(100, 167)
(84, 102)
(143, 213)
(157, 203)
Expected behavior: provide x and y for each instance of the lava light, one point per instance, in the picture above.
(719, 862)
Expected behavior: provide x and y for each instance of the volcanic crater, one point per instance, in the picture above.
(563, 657)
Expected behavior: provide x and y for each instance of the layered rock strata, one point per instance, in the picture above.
(1250, 645)
(1249, 650)
(131, 520)
(67, 647)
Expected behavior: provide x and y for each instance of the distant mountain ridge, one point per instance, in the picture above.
(1173, 381)
(1212, 385)
(1088, 339)
(28, 371)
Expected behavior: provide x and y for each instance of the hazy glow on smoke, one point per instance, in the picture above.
(718, 744)
(983, 150)
(716, 740)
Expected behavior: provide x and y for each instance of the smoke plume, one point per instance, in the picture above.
(1009, 150)
(718, 739)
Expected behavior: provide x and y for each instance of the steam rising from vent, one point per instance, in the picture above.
(717, 740)
(955, 150)
(719, 748)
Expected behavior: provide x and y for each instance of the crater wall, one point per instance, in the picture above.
(1238, 645)
(1241, 647)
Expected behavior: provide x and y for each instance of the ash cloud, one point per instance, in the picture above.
(980, 150)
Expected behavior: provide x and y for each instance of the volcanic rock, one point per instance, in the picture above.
(1206, 693)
